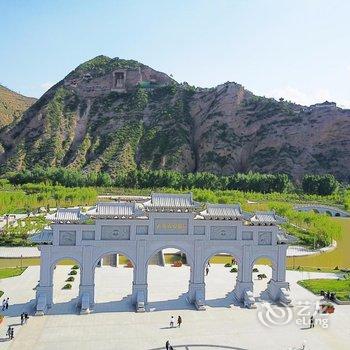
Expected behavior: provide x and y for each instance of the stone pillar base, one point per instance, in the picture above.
(279, 291)
(241, 288)
(86, 298)
(196, 295)
(43, 299)
(139, 296)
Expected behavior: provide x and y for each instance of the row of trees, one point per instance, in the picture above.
(249, 182)
(255, 182)
(320, 184)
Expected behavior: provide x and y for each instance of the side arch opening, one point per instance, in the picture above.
(113, 276)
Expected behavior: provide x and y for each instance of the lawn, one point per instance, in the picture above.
(341, 287)
(11, 272)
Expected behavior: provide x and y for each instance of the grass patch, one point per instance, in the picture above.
(11, 272)
(1, 293)
(315, 269)
(340, 287)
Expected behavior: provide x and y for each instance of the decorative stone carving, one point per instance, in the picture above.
(247, 235)
(109, 232)
(142, 230)
(223, 233)
(88, 235)
(265, 238)
(199, 230)
(170, 226)
(67, 237)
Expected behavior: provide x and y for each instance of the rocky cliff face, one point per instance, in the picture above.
(116, 115)
(12, 105)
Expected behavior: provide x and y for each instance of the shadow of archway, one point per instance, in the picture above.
(202, 346)
(181, 303)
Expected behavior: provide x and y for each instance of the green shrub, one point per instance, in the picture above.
(228, 265)
(73, 272)
(67, 286)
(234, 269)
(70, 279)
(75, 267)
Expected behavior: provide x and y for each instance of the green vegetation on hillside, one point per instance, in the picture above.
(12, 106)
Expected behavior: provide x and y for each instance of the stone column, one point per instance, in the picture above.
(278, 288)
(87, 281)
(139, 285)
(196, 289)
(44, 292)
(244, 281)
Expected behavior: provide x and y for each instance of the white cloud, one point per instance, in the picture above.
(46, 86)
(295, 95)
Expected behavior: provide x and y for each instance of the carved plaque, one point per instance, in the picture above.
(265, 238)
(199, 230)
(142, 230)
(247, 235)
(223, 232)
(111, 233)
(170, 226)
(67, 237)
(88, 235)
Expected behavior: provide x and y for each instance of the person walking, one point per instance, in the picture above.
(12, 333)
(7, 303)
(172, 321)
(26, 317)
(167, 345)
(179, 321)
(312, 322)
(3, 304)
(207, 271)
(22, 318)
(8, 333)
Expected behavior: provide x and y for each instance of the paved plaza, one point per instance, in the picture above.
(115, 325)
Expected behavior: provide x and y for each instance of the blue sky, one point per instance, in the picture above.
(298, 49)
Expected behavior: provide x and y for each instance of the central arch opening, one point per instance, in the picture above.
(113, 283)
(262, 271)
(220, 271)
(168, 276)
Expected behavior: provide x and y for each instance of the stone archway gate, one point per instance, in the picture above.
(138, 231)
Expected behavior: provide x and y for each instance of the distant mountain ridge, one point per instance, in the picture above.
(116, 115)
(12, 105)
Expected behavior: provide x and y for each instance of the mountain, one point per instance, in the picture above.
(12, 105)
(115, 115)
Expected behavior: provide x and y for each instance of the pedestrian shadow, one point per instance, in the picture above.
(3, 340)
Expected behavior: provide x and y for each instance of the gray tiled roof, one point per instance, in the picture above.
(114, 209)
(171, 201)
(45, 236)
(266, 217)
(67, 215)
(222, 211)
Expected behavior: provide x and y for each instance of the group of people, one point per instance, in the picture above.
(5, 304)
(10, 332)
(172, 321)
(24, 318)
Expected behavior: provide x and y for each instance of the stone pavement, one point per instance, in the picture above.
(114, 325)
